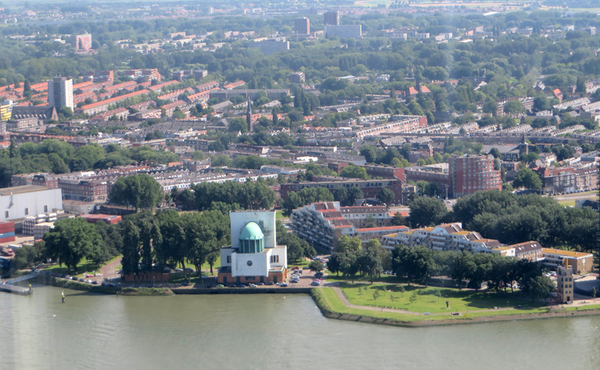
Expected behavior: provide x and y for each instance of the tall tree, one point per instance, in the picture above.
(425, 211)
(71, 240)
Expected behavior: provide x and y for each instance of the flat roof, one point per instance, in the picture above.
(565, 253)
(23, 189)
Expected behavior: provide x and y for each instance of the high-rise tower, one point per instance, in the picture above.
(60, 92)
(331, 18)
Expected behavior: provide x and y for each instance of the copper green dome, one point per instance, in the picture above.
(251, 239)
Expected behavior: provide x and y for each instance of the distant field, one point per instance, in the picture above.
(567, 203)
(370, 3)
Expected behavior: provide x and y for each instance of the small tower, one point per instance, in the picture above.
(564, 283)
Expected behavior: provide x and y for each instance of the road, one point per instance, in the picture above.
(577, 196)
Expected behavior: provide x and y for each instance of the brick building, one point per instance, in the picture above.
(370, 188)
(471, 173)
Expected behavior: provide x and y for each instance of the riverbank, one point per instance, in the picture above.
(76, 285)
(331, 306)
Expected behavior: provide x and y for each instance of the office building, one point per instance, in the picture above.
(579, 262)
(331, 18)
(60, 93)
(302, 26)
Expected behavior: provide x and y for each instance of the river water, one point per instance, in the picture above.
(266, 332)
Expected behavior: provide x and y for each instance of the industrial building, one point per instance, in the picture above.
(19, 202)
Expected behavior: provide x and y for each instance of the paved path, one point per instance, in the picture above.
(109, 271)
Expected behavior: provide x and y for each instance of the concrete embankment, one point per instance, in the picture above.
(76, 285)
(261, 290)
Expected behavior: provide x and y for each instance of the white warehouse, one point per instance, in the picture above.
(18, 202)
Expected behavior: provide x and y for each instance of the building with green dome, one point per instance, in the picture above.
(254, 256)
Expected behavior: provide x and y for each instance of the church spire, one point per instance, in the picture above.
(249, 115)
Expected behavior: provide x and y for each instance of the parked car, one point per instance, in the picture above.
(282, 285)
(220, 286)
(315, 283)
(111, 285)
(252, 285)
(270, 283)
(95, 282)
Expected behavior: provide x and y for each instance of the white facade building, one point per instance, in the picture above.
(60, 93)
(19, 202)
(254, 256)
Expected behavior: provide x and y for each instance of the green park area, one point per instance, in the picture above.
(433, 300)
(328, 300)
(84, 266)
(567, 203)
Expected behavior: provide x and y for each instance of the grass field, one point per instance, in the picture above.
(279, 215)
(567, 203)
(302, 263)
(84, 266)
(334, 304)
(426, 300)
(384, 278)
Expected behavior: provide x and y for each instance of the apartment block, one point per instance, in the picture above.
(323, 223)
(471, 173)
(451, 237)
(60, 93)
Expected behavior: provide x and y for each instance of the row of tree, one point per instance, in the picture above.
(56, 156)
(70, 241)
(419, 264)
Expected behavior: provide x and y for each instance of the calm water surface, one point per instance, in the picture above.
(266, 332)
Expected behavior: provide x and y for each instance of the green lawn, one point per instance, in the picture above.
(391, 297)
(84, 266)
(301, 263)
(567, 203)
(384, 278)
(279, 215)
(205, 266)
(336, 305)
